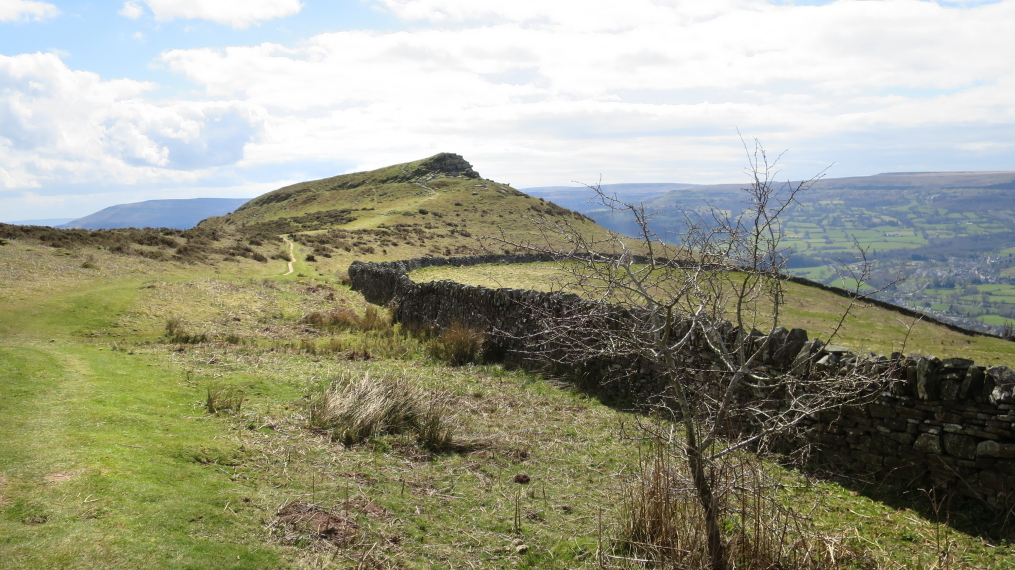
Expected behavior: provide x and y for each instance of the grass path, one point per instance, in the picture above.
(292, 256)
(106, 458)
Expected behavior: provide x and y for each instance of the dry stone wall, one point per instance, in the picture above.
(945, 423)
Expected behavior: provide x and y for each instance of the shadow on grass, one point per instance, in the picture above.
(947, 507)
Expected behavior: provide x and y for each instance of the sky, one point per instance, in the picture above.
(103, 103)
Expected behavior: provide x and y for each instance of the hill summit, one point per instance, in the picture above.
(435, 206)
(444, 165)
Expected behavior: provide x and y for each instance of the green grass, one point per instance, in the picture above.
(996, 320)
(109, 459)
(98, 452)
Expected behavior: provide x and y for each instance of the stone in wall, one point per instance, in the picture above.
(928, 382)
(1003, 382)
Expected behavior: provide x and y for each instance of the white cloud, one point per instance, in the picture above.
(131, 10)
(5, 179)
(23, 10)
(557, 89)
(591, 15)
(236, 13)
(60, 126)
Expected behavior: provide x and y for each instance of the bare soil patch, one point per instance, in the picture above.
(59, 476)
(367, 507)
(304, 520)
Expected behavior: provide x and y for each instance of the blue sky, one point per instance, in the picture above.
(110, 102)
(95, 37)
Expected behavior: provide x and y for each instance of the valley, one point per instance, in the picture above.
(950, 236)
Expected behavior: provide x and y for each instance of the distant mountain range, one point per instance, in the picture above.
(178, 214)
(51, 222)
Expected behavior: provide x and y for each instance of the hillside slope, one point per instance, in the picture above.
(111, 458)
(438, 206)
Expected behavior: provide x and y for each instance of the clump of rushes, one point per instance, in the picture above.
(356, 410)
(344, 318)
(224, 398)
(457, 345)
(175, 333)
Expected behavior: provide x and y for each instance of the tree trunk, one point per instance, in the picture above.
(703, 485)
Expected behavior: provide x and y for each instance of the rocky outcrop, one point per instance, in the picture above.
(443, 165)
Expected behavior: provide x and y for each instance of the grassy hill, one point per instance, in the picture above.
(435, 206)
(157, 391)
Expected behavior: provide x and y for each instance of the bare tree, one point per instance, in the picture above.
(689, 314)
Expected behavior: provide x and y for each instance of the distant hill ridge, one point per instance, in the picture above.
(51, 222)
(179, 214)
(1000, 179)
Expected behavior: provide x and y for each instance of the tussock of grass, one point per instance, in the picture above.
(175, 333)
(395, 345)
(458, 345)
(344, 318)
(359, 409)
(224, 398)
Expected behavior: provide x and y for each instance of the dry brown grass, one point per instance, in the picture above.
(457, 345)
(177, 333)
(345, 318)
(662, 522)
(358, 409)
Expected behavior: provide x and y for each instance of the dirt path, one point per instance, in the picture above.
(292, 256)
